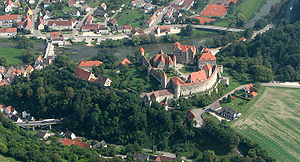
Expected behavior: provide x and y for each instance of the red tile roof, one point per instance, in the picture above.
(253, 93)
(60, 22)
(89, 63)
(204, 20)
(161, 158)
(41, 21)
(142, 50)
(70, 142)
(177, 80)
(14, 17)
(249, 87)
(40, 58)
(3, 82)
(56, 36)
(8, 30)
(198, 76)
(207, 67)
(184, 48)
(80, 73)
(214, 10)
(10, 2)
(125, 61)
(29, 68)
(207, 56)
(90, 26)
(127, 27)
(162, 92)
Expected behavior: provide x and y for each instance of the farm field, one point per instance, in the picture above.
(273, 122)
(13, 55)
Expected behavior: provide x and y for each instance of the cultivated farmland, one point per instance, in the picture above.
(274, 122)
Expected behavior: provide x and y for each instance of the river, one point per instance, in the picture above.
(82, 52)
(264, 10)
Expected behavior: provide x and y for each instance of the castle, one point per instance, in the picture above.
(174, 87)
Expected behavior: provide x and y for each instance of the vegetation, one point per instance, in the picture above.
(133, 18)
(272, 122)
(11, 55)
(274, 53)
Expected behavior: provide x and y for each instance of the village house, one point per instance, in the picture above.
(124, 29)
(8, 20)
(140, 157)
(69, 142)
(26, 24)
(150, 21)
(75, 13)
(138, 3)
(103, 81)
(103, 29)
(40, 24)
(99, 13)
(84, 74)
(16, 119)
(8, 6)
(148, 7)
(137, 31)
(8, 32)
(46, 3)
(228, 113)
(103, 5)
(185, 54)
(125, 61)
(100, 145)
(47, 15)
(69, 135)
(161, 158)
(88, 65)
(161, 31)
(188, 4)
(113, 22)
(43, 134)
(29, 11)
(56, 38)
(61, 24)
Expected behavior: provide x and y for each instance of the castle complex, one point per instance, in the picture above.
(173, 87)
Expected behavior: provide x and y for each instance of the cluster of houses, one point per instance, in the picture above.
(84, 71)
(11, 113)
(11, 24)
(202, 80)
(7, 74)
(159, 158)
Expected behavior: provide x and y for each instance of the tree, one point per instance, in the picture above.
(28, 56)
(209, 156)
(3, 61)
(262, 74)
(3, 148)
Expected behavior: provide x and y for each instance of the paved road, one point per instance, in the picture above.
(36, 123)
(199, 111)
(285, 84)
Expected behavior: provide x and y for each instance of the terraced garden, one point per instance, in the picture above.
(273, 122)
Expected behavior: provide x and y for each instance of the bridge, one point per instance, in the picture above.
(32, 124)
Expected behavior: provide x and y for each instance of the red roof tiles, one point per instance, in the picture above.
(197, 76)
(207, 56)
(56, 36)
(204, 20)
(89, 63)
(142, 50)
(14, 17)
(8, 30)
(70, 142)
(80, 73)
(207, 67)
(184, 48)
(125, 61)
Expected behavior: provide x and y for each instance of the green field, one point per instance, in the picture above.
(7, 159)
(273, 122)
(248, 8)
(233, 83)
(133, 17)
(13, 55)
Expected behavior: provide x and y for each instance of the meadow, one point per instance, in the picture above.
(133, 18)
(273, 122)
(7, 159)
(13, 55)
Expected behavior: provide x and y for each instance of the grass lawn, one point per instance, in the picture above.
(248, 8)
(186, 69)
(132, 17)
(7, 159)
(273, 122)
(233, 83)
(93, 3)
(13, 55)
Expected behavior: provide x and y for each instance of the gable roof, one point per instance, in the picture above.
(80, 73)
(61, 22)
(14, 17)
(142, 50)
(163, 158)
(56, 36)
(125, 61)
(8, 30)
(70, 142)
(207, 56)
(197, 76)
(177, 80)
(184, 48)
(207, 67)
(89, 63)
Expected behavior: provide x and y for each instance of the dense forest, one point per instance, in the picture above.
(274, 55)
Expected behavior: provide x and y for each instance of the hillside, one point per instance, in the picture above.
(274, 55)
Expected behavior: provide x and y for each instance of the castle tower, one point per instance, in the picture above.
(142, 51)
(164, 80)
(177, 90)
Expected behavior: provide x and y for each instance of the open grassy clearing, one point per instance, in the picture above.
(233, 83)
(13, 55)
(7, 159)
(248, 8)
(273, 122)
(132, 17)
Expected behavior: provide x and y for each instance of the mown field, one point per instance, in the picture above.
(13, 55)
(133, 17)
(273, 122)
